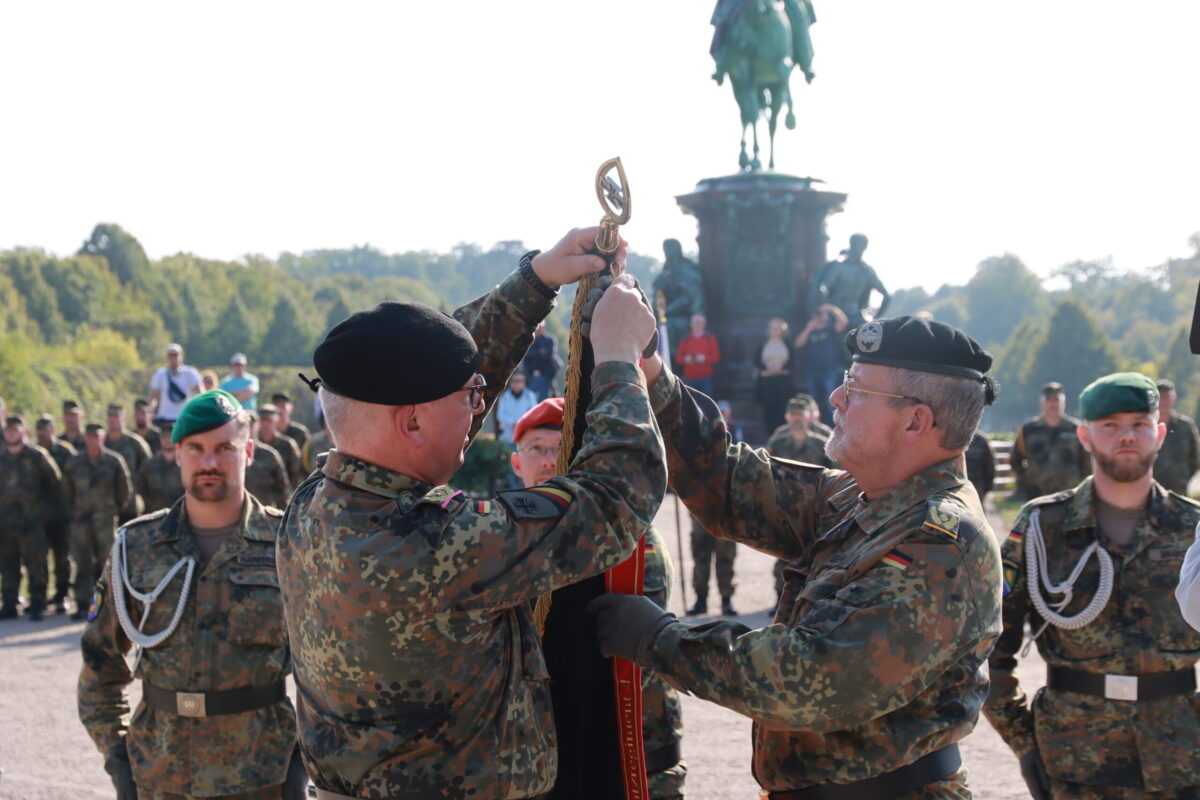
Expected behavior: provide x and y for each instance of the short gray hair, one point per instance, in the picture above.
(348, 420)
(957, 403)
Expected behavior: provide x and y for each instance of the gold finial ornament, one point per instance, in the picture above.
(615, 200)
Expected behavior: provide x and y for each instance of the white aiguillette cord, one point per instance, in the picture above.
(120, 573)
(1039, 577)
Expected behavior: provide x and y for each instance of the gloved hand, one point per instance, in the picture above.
(627, 625)
(1034, 773)
(593, 297)
(118, 768)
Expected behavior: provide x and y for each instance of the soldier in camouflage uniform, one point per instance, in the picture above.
(58, 537)
(289, 451)
(266, 477)
(1118, 718)
(288, 426)
(418, 665)
(537, 436)
(876, 665)
(1179, 458)
(1047, 456)
(29, 483)
(796, 441)
(159, 481)
(133, 449)
(96, 486)
(144, 428)
(72, 434)
(214, 720)
(318, 442)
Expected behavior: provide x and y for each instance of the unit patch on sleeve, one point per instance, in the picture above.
(538, 502)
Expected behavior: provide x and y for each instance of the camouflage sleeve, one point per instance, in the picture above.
(526, 543)
(502, 323)
(280, 477)
(103, 706)
(1193, 456)
(907, 622)
(736, 492)
(49, 480)
(122, 484)
(1006, 706)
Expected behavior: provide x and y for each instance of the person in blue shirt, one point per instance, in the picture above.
(241, 384)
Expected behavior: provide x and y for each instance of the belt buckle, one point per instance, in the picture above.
(189, 704)
(1121, 687)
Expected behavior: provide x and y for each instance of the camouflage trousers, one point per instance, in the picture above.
(58, 541)
(91, 542)
(1062, 790)
(705, 547)
(266, 793)
(23, 541)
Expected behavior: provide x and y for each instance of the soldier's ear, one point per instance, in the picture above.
(1085, 437)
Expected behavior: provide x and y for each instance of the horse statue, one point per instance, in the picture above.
(757, 43)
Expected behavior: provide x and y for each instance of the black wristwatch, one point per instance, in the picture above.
(525, 267)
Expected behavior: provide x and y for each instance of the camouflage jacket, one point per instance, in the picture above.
(810, 451)
(30, 485)
(159, 482)
(1093, 740)
(96, 486)
(61, 452)
(662, 714)
(890, 607)
(981, 464)
(231, 636)
(266, 476)
(1048, 459)
(75, 441)
(152, 436)
(289, 453)
(136, 452)
(300, 434)
(1179, 457)
(417, 662)
(317, 443)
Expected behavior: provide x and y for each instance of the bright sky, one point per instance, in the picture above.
(1055, 129)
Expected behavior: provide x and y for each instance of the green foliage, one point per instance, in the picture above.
(1002, 292)
(485, 466)
(124, 253)
(1074, 352)
(1011, 370)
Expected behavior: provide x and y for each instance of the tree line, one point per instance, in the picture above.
(91, 323)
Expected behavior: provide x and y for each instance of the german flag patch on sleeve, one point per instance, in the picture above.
(898, 560)
(537, 502)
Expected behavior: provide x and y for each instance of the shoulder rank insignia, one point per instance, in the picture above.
(538, 502)
(940, 518)
(898, 560)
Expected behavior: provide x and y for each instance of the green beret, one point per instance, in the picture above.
(204, 412)
(1117, 393)
(924, 345)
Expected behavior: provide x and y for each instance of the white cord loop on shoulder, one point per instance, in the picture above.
(120, 576)
(1038, 578)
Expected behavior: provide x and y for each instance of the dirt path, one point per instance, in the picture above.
(46, 755)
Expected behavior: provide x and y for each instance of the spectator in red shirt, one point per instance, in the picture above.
(698, 353)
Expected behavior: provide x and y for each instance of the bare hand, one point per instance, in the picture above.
(575, 256)
(622, 324)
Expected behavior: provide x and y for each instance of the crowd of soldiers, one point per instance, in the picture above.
(405, 610)
(63, 494)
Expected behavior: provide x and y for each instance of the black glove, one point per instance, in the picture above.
(117, 767)
(627, 625)
(589, 307)
(1034, 773)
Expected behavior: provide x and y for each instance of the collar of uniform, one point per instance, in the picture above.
(871, 515)
(1081, 511)
(172, 525)
(369, 477)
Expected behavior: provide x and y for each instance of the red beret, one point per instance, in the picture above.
(549, 412)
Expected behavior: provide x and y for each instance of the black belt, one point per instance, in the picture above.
(925, 770)
(663, 758)
(1122, 687)
(211, 704)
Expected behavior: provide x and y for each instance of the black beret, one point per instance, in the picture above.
(396, 354)
(141, 403)
(1052, 389)
(281, 397)
(924, 345)
(44, 421)
(14, 421)
(70, 405)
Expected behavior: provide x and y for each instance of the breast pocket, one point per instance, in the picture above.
(835, 604)
(255, 609)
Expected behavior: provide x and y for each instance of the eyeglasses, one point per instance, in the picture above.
(479, 383)
(538, 452)
(846, 377)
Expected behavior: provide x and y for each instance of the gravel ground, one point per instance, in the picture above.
(45, 754)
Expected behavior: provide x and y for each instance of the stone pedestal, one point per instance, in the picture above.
(762, 239)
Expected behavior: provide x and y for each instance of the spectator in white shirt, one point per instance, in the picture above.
(172, 386)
